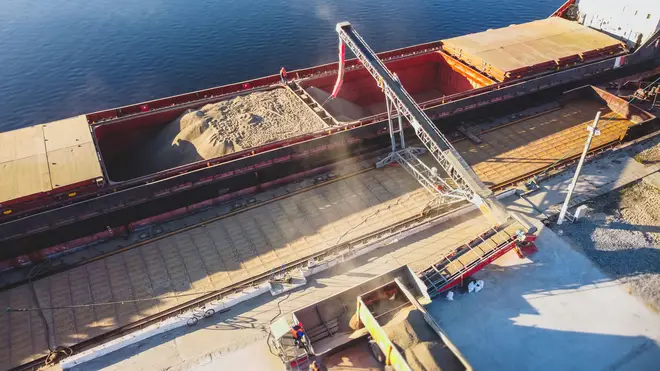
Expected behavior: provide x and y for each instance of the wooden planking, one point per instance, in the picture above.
(23, 163)
(23, 177)
(67, 133)
(21, 143)
(71, 152)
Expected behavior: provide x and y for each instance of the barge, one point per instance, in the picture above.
(56, 187)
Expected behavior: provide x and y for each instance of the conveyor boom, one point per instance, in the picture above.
(434, 141)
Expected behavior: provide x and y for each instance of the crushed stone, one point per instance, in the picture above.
(649, 156)
(621, 233)
(228, 126)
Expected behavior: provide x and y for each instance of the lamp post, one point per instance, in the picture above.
(593, 130)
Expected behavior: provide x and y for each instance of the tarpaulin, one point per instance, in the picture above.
(340, 74)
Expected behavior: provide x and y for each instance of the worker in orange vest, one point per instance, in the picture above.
(298, 333)
(283, 75)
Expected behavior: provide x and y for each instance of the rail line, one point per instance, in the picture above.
(344, 248)
(184, 229)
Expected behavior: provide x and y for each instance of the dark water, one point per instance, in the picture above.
(60, 58)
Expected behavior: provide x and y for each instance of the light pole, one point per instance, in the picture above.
(592, 131)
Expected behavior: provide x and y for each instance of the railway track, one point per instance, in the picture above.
(344, 249)
(221, 253)
(490, 157)
(231, 212)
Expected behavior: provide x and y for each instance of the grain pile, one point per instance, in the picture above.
(228, 126)
(339, 108)
(419, 344)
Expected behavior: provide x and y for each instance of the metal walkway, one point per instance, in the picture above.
(472, 256)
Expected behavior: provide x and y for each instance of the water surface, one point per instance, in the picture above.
(60, 58)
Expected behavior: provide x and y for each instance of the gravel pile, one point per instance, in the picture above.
(228, 126)
(621, 233)
(649, 156)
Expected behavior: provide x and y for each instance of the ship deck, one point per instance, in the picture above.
(524, 147)
(42, 158)
(506, 53)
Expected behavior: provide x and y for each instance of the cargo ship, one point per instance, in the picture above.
(79, 178)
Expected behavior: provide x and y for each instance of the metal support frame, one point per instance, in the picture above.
(461, 182)
(392, 157)
(389, 122)
(428, 177)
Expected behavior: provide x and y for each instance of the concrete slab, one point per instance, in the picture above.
(255, 357)
(530, 145)
(298, 279)
(246, 324)
(551, 193)
(547, 312)
(653, 179)
(598, 177)
(556, 311)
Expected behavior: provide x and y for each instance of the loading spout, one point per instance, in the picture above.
(463, 182)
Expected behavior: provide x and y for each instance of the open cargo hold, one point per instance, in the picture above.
(159, 144)
(404, 331)
(45, 159)
(532, 48)
(513, 148)
(209, 132)
(427, 77)
(522, 147)
(236, 175)
(386, 309)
